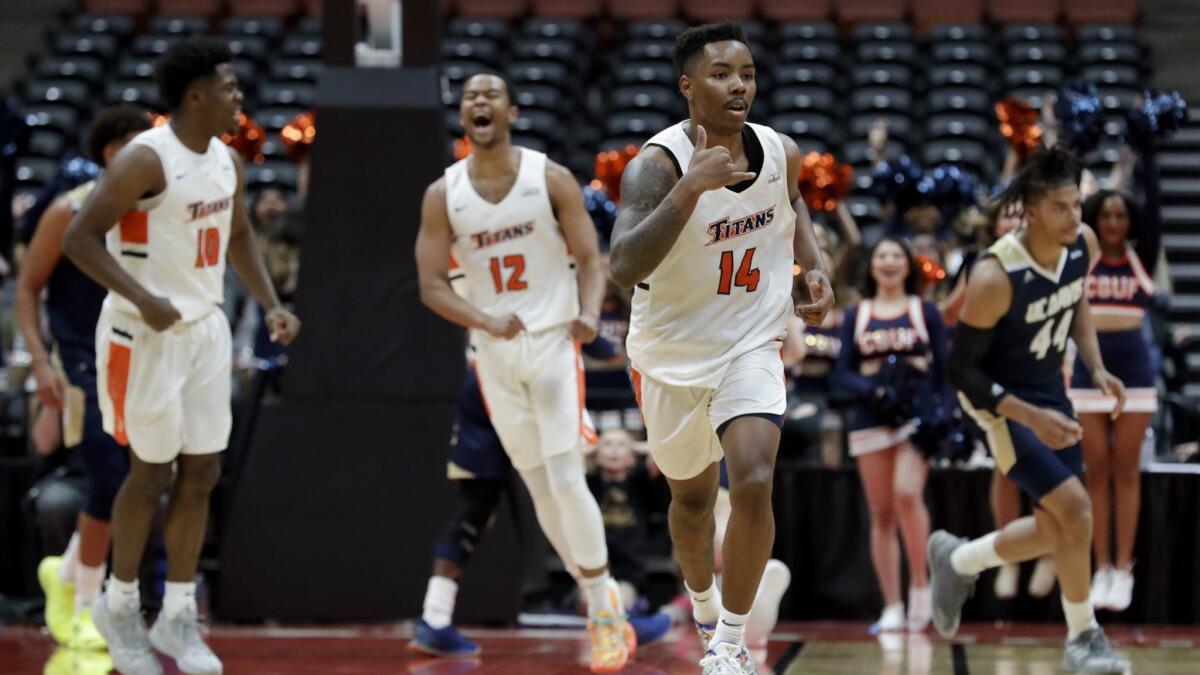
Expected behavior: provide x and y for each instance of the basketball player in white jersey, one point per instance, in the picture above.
(709, 229)
(163, 347)
(512, 220)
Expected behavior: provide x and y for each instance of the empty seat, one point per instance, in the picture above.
(807, 31)
(87, 69)
(791, 10)
(46, 142)
(1017, 11)
(806, 124)
(900, 127)
(1105, 32)
(302, 45)
(968, 153)
(552, 49)
(882, 31)
(893, 99)
(35, 171)
(269, 27)
(645, 72)
(142, 92)
(826, 51)
(634, 10)
(890, 50)
(296, 70)
(271, 173)
(656, 30)
(544, 72)
(963, 52)
(644, 97)
(540, 123)
(1032, 32)
(68, 92)
(286, 93)
(479, 27)
(1053, 53)
(858, 152)
(1036, 75)
(1116, 74)
(961, 99)
(719, 10)
(636, 123)
(891, 74)
(180, 25)
(1089, 11)
(931, 13)
(247, 74)
(253, 47)
(648, 50)
(61, 117)
(821, 74)
(120, 26)
(556, 28)
(1110, 52)
(153, 45)
(136, 68)
(472, 49)
(309, 25)
(955, 125)
(958, 32)
(571, 9)
(103, 47)
(543, 97)
(274, 118)
(802, 97)
(855, 11)
(953, 74)
(461, 70)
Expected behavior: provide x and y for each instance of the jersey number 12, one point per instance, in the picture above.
(516, 263)
(747, 274)
(1042, 341)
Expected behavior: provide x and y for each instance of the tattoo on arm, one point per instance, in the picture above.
(649, 221)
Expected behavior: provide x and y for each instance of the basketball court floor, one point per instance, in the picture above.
(826, 648)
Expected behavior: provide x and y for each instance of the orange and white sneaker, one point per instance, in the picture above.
(613, 642)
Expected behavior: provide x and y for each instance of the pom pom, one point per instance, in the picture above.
(248, 140)
(299, 135)
(1080, 116)
(76, 171)
(1158, 114)
(896, 181)
(609, 167)
(824, 181)
(462, 147)
(1019, 124)
(950, 188)
(602, 209)
(931, 271)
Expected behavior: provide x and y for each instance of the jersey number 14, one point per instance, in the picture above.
(747, 274)
(1042, 341)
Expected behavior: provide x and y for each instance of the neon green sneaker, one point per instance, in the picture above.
(60, 599)
(84, 635)
(68, 662)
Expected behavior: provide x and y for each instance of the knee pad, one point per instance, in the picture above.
(477, 512)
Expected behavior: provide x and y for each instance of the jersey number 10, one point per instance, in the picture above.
(1042, 341)
(208, 247)
(747, 274)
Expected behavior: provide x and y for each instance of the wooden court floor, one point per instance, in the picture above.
(795, 648)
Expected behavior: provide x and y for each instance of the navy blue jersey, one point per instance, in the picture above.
(73, 301)
(1029, 341)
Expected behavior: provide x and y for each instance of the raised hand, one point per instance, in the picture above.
(713, 168)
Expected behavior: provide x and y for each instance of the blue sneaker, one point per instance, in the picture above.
(442, 642)
(650, 627)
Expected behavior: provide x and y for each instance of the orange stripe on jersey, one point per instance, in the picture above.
(135, 228)
(453, 262)
(486, 408)
(118, 383)
(585, 429)
(636, 378)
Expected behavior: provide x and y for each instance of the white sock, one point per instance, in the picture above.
(439, 602)
(70, 559)
(122, 596)
(87, 584)
(178, 597)
(600, 596)
(976, 556)
(1080, 617)
(706, 604)
(731, 628)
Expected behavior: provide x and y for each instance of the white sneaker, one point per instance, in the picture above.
(180, 639)
(892, 619)
(1007, 576)
(1120, 590)
(1044, 575)
(920, 608)
(764, 613)
(1101, 583)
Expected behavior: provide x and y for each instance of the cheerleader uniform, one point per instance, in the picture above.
(917, 336)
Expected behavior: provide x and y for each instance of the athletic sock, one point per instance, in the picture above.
(439, 602)
(122, 596)
(731, 628)
(87, 584)
(976, 556)
(706, 604)
(1080, 617)
(600, 596)
(70, 559)
(178, 597)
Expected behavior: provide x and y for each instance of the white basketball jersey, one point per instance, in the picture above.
(174, 243)
(513, 255)
(725, 287)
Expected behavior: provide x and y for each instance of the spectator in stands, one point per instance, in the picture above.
(893, 347)
(67, 383)
(1120, 290)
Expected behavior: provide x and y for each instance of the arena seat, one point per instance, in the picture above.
(269, 27)
(900, 127)
(886, 51)
(1044, 53)
(301, 45)
(474, 49)
(1036, 75)
(821, 74)
(890, 74)
(103, 47)
(1111, 74)
(955, 125)
(802, 97)
(957, 32)
(1105, 32)
(152, 45)
(296, 70)
(87, 69)
(181, 24)
(819, 51)
(545, 72)
(645, 72)
(550, 49)
(1031, 32)
(882, 31)
(59, 116)
(557, 28)
(953, 74)
(542, 97)
(648, 50)
(1110, 53)
(960, 99)
(980, 53)
(251, 47)
(35, 171)
(806, 125)
(62, 91)
(855, 11)
(46, 142)
(636, 123)
(644, 97)
(141, 92)
(120, 26)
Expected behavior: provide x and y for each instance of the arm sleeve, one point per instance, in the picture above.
(845, 373)
(1151, 234)
(962, 367)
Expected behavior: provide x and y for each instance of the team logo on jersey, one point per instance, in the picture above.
(1064, 298)
(898, 339)
(485, 239)
(1114, 287)
(198, 210)
(725, 228)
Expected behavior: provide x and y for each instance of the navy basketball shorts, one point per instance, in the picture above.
(475, 448)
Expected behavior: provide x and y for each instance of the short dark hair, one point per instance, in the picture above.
(912, 282)
(692, 41)
(1048, 169)
(508, 87)
(186, 61)
(113, 124)
(1093, 205)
